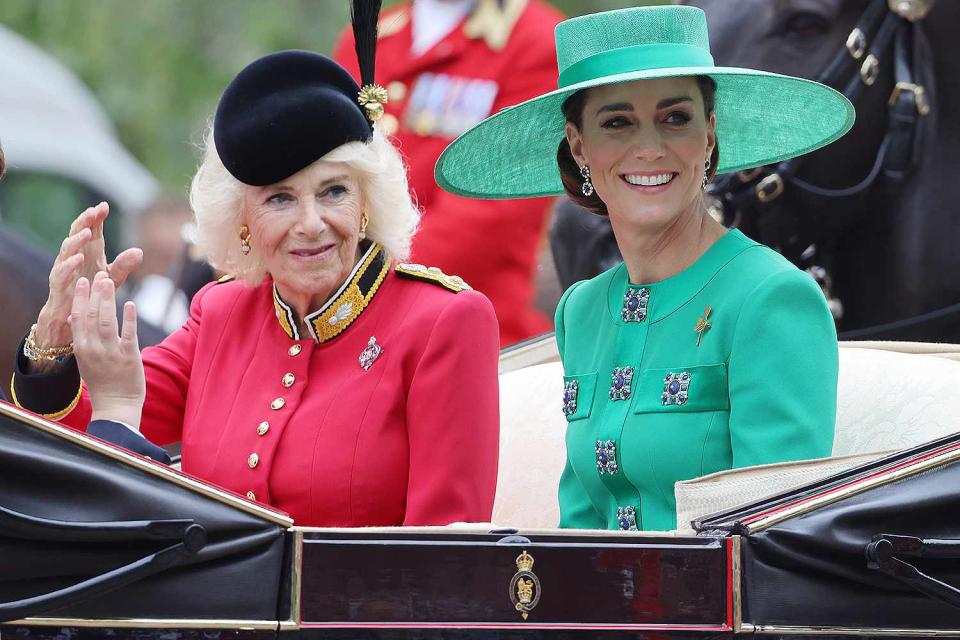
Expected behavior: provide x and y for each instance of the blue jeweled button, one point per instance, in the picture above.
(571, 390)
(635, 304)
(627, 518)
(676, 388)
(606, 451)
(620, 383)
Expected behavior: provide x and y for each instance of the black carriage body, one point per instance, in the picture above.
(75, 510)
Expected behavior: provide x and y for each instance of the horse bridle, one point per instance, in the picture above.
(885, 25)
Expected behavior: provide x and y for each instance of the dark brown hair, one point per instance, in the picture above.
(570, 170)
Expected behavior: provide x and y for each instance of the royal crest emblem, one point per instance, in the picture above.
(524, 586)
(342, 313)
(369, 355)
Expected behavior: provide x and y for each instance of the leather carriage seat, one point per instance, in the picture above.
(891, 395)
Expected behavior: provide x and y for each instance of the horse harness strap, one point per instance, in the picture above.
(899, 150)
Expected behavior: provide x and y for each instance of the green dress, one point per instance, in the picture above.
(647, 405)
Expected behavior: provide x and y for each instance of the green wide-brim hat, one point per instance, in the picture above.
(762, 117)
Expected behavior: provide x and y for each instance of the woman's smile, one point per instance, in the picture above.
(649, 182)
(312, 254)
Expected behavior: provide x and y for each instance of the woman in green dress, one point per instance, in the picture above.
(704, 350)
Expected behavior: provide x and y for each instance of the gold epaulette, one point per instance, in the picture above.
(392, 22)
(494, 20)
(431, 274)
(227, 278)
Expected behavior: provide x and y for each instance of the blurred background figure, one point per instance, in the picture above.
(447, 65)
(62, 154)
(170, 274)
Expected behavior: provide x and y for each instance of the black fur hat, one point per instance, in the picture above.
(287, 109)
(282, 112)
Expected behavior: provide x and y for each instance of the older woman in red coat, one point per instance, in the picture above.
(325, 379)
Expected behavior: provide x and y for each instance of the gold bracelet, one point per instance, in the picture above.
(35, 352)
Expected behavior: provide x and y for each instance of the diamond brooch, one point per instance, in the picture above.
(370, 354)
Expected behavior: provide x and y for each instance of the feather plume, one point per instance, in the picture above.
(364, 15)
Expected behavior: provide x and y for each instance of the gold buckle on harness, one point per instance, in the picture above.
(919, 96)
(747, 175)
(770, 188)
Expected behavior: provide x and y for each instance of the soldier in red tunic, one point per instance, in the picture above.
(448, 64)
(327, 379)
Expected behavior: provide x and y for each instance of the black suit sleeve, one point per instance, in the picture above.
(121, 435)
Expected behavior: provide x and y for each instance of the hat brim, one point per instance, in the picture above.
(762, 118)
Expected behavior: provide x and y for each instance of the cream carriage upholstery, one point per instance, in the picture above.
(891, 396)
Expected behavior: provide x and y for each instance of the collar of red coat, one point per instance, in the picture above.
(344, 306)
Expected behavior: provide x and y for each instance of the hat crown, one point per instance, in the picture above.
(585, 36)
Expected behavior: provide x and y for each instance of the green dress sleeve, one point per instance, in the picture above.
(576, 508)
(783, 373)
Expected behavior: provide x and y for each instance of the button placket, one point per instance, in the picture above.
(625, 356)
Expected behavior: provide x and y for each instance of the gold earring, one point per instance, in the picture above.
(244, 239)
(364, 221)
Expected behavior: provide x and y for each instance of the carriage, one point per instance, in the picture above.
(95, 541)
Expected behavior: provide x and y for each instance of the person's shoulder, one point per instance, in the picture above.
(586, 293)
(539, 16)
(765, 282)
(757, 265)
(224, 293)
(531, 36)
(393, 20)
(442, 302)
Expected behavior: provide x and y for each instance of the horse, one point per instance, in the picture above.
(24, 284)
(876, 214)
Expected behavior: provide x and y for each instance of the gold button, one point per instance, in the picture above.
(252, 460)
(277, 404)
(262, 428)
(251, 495)
(396, 91)
(294, 350)
(389, 124)
(288, 380)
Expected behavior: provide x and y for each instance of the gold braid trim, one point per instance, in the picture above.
(348, 306)
(49, 416)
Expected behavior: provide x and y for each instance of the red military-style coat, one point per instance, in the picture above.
(434, 97)
(386, 414)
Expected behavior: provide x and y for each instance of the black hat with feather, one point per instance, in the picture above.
(287, 109)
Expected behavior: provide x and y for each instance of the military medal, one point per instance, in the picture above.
(703, 323)
(369, 355)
